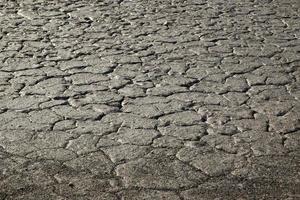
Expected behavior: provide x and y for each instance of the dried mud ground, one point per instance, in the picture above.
(149, 100)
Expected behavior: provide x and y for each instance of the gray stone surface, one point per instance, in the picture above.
(162, 99)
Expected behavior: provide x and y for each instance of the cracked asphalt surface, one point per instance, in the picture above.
(153, 100)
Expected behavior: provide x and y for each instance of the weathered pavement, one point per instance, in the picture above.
(178, 100)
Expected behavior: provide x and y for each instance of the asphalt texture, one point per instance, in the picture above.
(149, 100)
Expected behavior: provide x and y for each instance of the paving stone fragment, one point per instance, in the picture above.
(69, 112)
(95, 127)
(52, 154)
(83, 144)
(15, 64)
(221, 142)
(22, 142)
(155, 109)
(72, 64)
(101, 97)
(43, 117)
(146, 173)
(214, 164)
(286, 123)
(132, 91)
(51, 87)
(136, 136)
(125, 152)
(209, 87)
(86, 78)
(96, 162)
(291, 141)
(129, 120)
(262, 143)
(167, 141)
(24, 102)
(165, 90)
(64, 125)
(182, 119)
(104, 109)
(184, 133)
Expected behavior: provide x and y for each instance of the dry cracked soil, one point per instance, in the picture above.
(149, 100)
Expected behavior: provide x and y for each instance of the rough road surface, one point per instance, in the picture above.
(154, 100)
